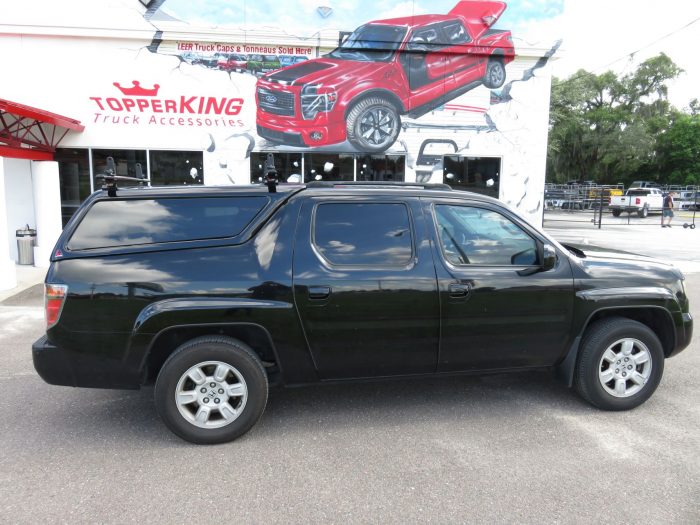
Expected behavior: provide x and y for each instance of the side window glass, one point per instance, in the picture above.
(425, 40)
(455, 33)
(363, 234)
(471, 235)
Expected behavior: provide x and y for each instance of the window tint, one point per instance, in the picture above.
(479, 236)
(368, 234)
(455, 33)
(131, 222)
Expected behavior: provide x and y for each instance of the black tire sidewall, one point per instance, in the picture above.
(594, 345)
(355, 118)
(487, 77)
(217, 349)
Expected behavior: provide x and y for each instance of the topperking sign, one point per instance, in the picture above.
(138, 105)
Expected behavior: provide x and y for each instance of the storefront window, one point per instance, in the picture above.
(477, 174)
(125, 161)
(74, 179)
(328, 166)
(176, 168)
(288, 166)
(381, 168)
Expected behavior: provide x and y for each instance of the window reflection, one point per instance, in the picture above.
(328, 166)
(288, 166)
(381, 168)
(124, 223)
(74, 179)
(176, 168)
(124, 161)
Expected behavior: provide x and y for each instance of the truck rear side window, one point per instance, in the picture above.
(363, 234)
(113, 223)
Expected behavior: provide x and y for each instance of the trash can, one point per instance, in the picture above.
(26, 239)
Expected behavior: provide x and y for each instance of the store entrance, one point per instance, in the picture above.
(477, 174)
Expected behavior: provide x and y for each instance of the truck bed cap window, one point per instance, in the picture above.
(112, 223)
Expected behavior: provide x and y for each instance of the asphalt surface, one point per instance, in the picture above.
(496, 449)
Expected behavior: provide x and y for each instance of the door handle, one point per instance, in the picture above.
(459, 290)
(319, 292)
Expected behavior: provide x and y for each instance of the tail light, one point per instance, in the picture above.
(54, 297)
(637, 200)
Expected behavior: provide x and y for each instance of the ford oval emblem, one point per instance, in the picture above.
(271, 98)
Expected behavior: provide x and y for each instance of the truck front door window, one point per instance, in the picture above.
(479, 236)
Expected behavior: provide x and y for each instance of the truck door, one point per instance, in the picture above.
(365, 286)
(423, 63)
(494, 315)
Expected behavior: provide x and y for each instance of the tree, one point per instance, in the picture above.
(678, 150)
(604, 128)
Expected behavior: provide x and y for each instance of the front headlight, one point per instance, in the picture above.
(315, 100)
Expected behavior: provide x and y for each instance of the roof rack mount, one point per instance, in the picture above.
(376, 184)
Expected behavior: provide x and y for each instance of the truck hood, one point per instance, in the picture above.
(607, 263)
(326, 71)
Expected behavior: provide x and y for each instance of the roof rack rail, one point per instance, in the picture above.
(376, 184)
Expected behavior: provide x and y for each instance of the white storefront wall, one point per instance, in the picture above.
(88, 74)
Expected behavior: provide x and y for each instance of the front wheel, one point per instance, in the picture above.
(211, 390)
(373, 124)
(495, 74)
(620, 364)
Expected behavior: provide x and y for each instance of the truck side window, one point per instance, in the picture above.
(114, 222)
(363, 234)
(455, 33)
(471, 235)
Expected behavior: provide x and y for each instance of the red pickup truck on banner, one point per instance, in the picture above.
(385, 69)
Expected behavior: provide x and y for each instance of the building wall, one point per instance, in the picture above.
(19, 200)
(92, 75)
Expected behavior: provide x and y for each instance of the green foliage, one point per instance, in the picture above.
(678, 150)
(605, 128)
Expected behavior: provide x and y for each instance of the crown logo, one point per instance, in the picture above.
(137, 90)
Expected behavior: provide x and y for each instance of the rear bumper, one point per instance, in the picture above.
(58, 366)
(51, 364)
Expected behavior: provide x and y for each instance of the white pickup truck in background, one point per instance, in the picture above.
(641, 201)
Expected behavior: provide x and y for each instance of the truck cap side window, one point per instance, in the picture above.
(112, 223)
(363, 234)
(471, 235)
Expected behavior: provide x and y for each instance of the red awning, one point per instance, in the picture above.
(32, 133)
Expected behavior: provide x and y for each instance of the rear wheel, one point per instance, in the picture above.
(620, 364)
(616, 213)
(373, 124)
(211, 390)
(495, 74)
(643, 213)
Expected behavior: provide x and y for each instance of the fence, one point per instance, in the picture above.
(589, 204)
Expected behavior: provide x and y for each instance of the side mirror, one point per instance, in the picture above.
(549, 257)
(549, 260)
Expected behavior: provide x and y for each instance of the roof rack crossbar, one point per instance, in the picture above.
(376, 184)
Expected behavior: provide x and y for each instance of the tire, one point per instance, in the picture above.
(616, 213)
(643, 213)
(224, 363)
(607, 344)
(373, 124)
(495, 74)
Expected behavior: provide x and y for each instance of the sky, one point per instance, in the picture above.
(597, 34)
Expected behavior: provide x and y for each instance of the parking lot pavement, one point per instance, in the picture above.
(501, 448)
(677, 245)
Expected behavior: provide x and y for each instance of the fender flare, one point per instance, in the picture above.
(567, 367)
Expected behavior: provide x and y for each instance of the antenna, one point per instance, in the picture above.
(110, 178)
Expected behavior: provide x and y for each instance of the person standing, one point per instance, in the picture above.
(667, 212)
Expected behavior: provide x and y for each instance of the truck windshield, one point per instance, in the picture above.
(371, 43)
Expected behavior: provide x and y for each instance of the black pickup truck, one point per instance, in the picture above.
(214, 294)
